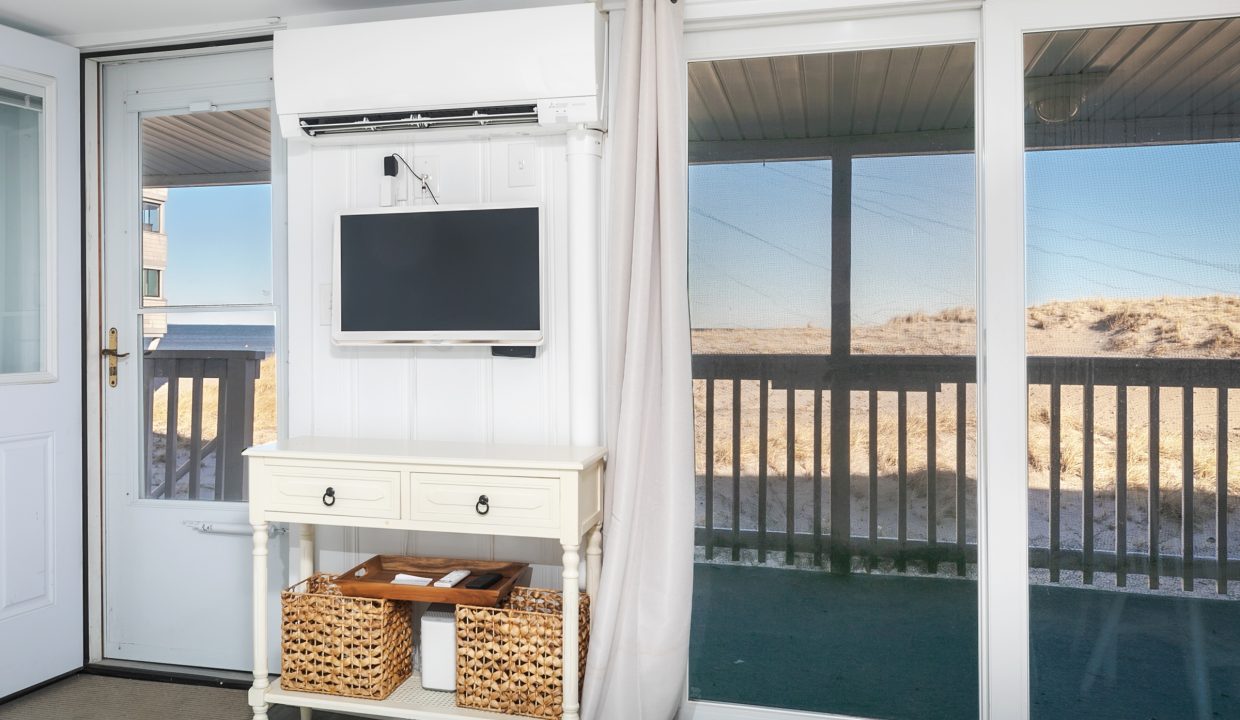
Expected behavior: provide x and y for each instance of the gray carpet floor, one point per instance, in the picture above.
(94, 697)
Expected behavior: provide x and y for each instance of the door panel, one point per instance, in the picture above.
(41, 629)
(834, 341)
(1133, 355)
(187, 285)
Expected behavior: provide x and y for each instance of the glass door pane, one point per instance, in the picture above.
(209, 370)
(1133, 336)
(23, 263)
(206, 208)
(832, 291)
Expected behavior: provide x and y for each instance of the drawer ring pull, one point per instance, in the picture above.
(483, 506)
(329, 497)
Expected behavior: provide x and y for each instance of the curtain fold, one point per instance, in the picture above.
(640, 636)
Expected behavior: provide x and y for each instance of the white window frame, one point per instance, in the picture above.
(44, 86)
(718, 29)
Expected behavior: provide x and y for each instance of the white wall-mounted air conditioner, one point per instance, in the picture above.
(541, 66)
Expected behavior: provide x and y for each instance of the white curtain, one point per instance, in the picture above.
(640, 635)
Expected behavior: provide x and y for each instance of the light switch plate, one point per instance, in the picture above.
(325, 304)
(521, 165)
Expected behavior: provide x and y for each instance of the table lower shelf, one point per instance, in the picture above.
(407, 701)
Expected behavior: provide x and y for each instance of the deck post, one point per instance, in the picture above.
(841, 341)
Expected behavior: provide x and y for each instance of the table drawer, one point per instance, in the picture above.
(510, 501)
(329, 489)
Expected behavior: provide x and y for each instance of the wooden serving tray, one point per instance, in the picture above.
(373, 578)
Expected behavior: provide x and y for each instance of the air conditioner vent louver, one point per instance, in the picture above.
(528, 71)
(420, 120)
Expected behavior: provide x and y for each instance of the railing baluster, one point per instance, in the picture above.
(818, 473)
(1220, 521)
(150, 366)
(1087, 484)
(872, 560)
(242, 375)
(1121, 486)
(1186, 491)
(876, 378)
(762, 438)
(962, 507)
(932, 491)
(1056, 410)
(902, 470)
(791, 475)
(1155, 502)
(841, 473)
(222, 418)
(710, 466)
(195, 433)
(736, 468)
(170, 435)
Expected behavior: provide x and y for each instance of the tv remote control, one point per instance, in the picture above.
(452, 578)
(483, 581)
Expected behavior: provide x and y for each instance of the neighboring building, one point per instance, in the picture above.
(154, 260)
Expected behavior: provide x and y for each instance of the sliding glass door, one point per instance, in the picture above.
(966, 439)
(1133, 338)
(832, 285)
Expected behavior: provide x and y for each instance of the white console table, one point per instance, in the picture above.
(515, 490)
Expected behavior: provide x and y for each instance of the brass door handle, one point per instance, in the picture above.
(110, 352)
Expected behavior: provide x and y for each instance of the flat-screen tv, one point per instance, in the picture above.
(448, 275)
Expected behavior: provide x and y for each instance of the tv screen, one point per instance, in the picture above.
(439, 275)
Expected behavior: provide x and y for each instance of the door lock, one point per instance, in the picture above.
(110, 352)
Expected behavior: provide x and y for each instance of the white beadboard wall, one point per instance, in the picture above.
(422, 393)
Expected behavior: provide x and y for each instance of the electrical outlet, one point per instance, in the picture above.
(428, 168)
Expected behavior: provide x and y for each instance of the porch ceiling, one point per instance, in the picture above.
(207, 148)
(1149, 84)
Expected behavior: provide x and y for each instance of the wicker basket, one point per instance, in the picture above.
(508, 657)
(341, 645)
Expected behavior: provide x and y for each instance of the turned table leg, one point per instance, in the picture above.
(257, 700)
(306, 569)
(572, 601)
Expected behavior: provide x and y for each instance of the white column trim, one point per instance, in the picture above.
(584, 150)
(1002, 495)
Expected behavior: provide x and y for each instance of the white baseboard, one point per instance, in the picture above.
(694, 710)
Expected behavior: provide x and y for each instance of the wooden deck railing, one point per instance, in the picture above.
(236, 372)
(903, 375)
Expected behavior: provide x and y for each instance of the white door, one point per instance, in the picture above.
(40, 363)
(188, 294)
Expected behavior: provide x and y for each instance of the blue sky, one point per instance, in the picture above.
(1124, 222)
(1134, 222)
(219, 249)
